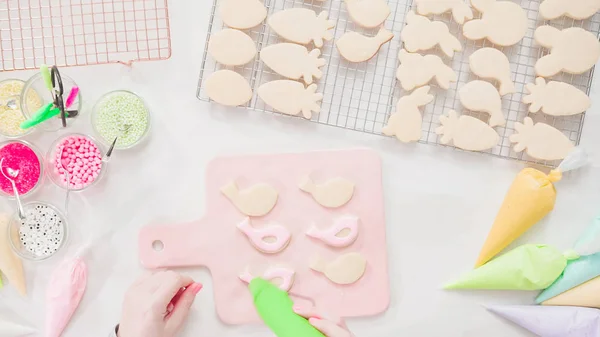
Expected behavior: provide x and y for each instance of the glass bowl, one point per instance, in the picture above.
(40, 160)
(116, 109)
(55, 175)
(36, 84)
(41, 234)
(11, 115)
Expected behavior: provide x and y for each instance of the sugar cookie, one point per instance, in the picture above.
(542, 141)
(483, 97)
(333, 193)
(368, 13)
(572, 50)
(346, 269)
(555, 98)
(242, 14)
(416, 70)
(503, 22)
(231, 47)
(269, 240)
(406, 122)
(575, 9)
(461, 12)
(356, 47)
(493, 64)
(228, 88)
(342, 234)
(301, 25)
(421, 33)
(257, 200)
(293, 61)
(291, 98)
(280, 276)
(467, 133)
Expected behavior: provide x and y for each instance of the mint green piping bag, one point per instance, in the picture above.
(274, 306)
(578, 271)
(43, 114)
(46, 75)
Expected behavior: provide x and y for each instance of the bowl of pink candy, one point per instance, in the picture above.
(25, 163)
(76, 161)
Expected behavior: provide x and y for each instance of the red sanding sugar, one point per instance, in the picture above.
(19, 156)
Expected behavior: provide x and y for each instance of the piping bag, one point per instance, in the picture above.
(528, 267)
(10, 263)
(529, 199)
(275, 308)
(551, 321)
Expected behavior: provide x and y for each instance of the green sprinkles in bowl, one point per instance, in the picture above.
(121, 114)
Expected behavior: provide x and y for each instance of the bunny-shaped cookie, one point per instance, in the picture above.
(421, 33)
(406, 122)
(503, 22)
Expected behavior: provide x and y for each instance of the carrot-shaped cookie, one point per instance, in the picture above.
(461, 12)
(356, 47)
(291, 98)
(555, 98)
(541, 141)
(416, 70)
(421, 33)
(467, 133)
(301, 25)
(406, 122)
(503, 22)
(293, 61)
(572, 50)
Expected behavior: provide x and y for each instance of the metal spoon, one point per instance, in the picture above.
(13, 174)
(122, 131)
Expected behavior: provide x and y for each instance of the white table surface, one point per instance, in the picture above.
(440, 203)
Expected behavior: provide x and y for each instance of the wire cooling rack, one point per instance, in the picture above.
(82, 32)
(361, 96)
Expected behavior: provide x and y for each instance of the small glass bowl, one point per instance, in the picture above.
(5, 101)
(36, 83)
(14, 235)
(39, 158)
(55, 176)
(95, 114)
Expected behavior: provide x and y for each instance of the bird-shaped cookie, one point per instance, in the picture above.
(406, 122)
(280, 276)
(572, 50)
(257, 200)
(333, 193)
(503, 22)
(356, 47)
(483, 97)
(346, 269)
(368, 13)
(420, 33)
(342, 234)
(269, 240)
(493, 64)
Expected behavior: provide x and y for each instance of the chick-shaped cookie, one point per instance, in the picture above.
(572, 50)
(541, 140)
(421, 33)
(416, 70)
(406, 122)
(503, 22)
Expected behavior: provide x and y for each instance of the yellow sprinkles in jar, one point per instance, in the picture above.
(11, 115)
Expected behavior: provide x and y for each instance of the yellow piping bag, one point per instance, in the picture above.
(529, 199)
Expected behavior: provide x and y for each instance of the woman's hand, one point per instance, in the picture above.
(327, 327)
(157, 305)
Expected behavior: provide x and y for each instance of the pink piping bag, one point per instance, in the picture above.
(71, 98)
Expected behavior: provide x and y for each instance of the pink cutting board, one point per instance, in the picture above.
(216, 243)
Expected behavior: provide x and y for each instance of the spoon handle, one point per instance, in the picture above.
(19, 204)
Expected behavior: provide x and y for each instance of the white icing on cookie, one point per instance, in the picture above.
(368, 13)
(333, 193)
(342, 234)
(483, 97)
(346, 269)
(420, 33)
(228, 88)
(491, 63)
(467, 133)
(541, 141)
(231, 47)
(406, 122)
(416, 70)
(303, 26)
(461, 12)
(503, 22)
(572, 50)
(270, 239)
(291, 98)
(293, 61)
(356, 48)
(257, 200)
(576, 9)
(242, 14)
(555, 98)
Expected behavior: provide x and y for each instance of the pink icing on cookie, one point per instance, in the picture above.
(271, 239)
(330, 235)
(286, 275)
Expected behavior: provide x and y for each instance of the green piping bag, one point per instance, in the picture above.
(274, 306)
(43, 114)
(45, 71)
